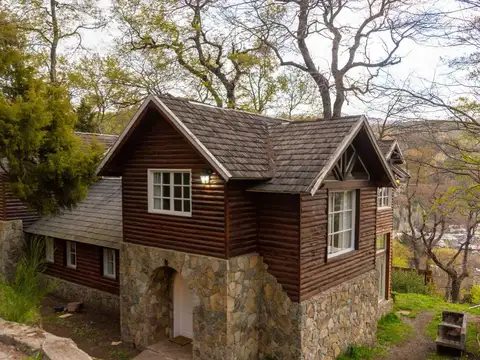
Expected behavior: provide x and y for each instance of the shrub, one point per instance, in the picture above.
(475, 295)
(408, 282)
(356, 352)
(20, 298)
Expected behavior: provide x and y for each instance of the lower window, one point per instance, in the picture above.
(109, 263)
(72, 254)
(49, 250)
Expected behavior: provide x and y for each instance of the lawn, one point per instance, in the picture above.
(423, 303)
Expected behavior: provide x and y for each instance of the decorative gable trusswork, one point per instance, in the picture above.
(349, 167)
(283, 156)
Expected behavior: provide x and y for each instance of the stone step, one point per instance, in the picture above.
(151, 355)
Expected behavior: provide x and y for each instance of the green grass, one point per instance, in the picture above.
(392, 330)
(423, 303)
(20, 298)
(420, 303)
(120, 355)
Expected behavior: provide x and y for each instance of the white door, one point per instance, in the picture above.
(182, 309)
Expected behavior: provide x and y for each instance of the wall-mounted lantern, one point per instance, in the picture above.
(205, 176)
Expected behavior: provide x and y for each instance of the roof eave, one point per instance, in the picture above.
(178, 124)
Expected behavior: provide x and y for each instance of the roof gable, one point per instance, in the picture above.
(286, 156)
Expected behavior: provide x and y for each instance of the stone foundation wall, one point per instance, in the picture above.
(339, 317)
(92, 298)
(11, 246)
(240, 312)
(206, 278)
(384, 307)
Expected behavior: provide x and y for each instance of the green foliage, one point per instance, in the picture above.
(475, 295)
(408, 282)
(48, 166)
(391, 330)
(85, 117)
(419, 302)
(401, 254)
(120, 355)
(20, 298)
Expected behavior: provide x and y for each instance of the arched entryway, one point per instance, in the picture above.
(182, 308)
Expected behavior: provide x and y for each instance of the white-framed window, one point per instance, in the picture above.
(109, 263)
(49, 250)
(71, 254)
(381, 242)
(341, 222)
(170, 192)
(381, 266)
(384, 197)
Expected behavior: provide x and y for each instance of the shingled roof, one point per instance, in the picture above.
(96, 220)
(289, 156)
(106, 139)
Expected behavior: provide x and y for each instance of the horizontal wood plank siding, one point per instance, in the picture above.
(89, 271)
(384, 221)
(242, 215)
(319, 274)
(157, 145)
(14, 209)
(2, 198)
(278, 239)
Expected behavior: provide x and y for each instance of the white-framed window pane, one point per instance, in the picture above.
(71, 254)
(109, 260)
(49, 250)
(381, 265)
(381, 242)
(341, 222)
(170, 192)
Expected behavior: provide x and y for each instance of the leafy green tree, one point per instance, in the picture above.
(47, 165)
(85, 117)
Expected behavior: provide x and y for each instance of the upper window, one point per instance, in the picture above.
(384, 197)
(381, 242)
(49, 250)
(72, 254)
(109, 263)
(170, 192)
(341, 222)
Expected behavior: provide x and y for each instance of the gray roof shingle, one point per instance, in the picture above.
(96, 220)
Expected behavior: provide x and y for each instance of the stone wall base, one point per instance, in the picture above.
(384, 307)
(12, 244)
(96, 299)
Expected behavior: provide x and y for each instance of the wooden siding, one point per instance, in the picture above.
(319, 273)
(12, 207)
(279, 238)
(384, 221)
(242, 219)
(89, 271)
(157, 145)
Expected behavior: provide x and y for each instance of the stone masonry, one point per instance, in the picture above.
(11, 246)
(240, 311)
(97, 299)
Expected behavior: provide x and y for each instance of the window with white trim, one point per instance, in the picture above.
(71, 254)
(109, 263)
(49, 250)
(170, 192)
(381, 242)
(341, 222)
(384, 197)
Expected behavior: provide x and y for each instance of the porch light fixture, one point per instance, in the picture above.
(205, 176)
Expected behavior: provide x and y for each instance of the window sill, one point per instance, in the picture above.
(110, 277)
(340, 256)
(171, 213)
(72, 267)
(380, 208)
(50, 261)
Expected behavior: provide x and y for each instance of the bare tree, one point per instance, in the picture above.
(343, 34)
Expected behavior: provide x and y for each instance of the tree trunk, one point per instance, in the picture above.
(455, 289)
(54, 45)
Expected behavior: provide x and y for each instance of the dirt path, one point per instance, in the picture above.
(419, 347)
